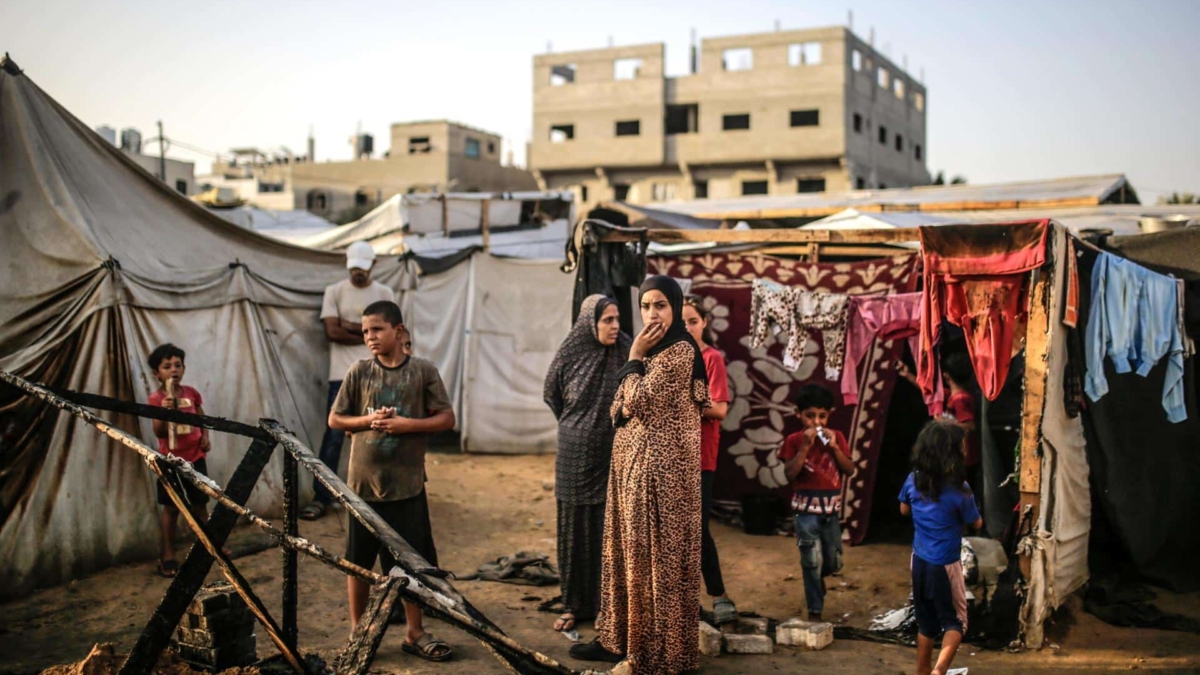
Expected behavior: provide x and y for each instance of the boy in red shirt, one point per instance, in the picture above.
(815, 460)
(191, 444)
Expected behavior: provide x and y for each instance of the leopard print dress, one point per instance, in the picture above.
(650, 578)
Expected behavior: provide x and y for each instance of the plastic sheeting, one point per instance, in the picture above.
(1060, 543)
(416, 222)
(520, 314)
(101, 262)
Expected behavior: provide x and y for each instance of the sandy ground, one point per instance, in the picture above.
(486, 506)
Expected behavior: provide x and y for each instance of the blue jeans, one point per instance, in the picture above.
(820, 541)
(331, 447)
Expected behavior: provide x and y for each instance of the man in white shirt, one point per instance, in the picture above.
(341, 313)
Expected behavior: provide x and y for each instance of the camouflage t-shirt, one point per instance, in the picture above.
(385, 467)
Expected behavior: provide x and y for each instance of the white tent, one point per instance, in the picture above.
(436, 225)
(290, 226)
(101, 263)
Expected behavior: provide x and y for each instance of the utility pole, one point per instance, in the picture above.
(162, 154)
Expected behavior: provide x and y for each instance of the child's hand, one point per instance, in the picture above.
(393, 425)
(205, 444)
(169, 402)
(810, 434)
(382, 414)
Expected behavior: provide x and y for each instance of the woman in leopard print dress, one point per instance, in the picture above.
(650, 580)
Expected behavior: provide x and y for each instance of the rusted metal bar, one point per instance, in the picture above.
(196, 566)
(231, 573)
(433, 594)
(291, 526)
(356, 658)
(159, 413)
(200, 481)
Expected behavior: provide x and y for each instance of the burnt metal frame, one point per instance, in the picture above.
(413, 579)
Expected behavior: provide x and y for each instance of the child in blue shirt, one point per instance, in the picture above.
(940, 502)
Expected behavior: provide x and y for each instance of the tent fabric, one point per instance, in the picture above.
(415, 222)
(520, 314)
(1064, 520)
(291, 226)
(1144, 470)
(761, 413)
(101, 261)
(1081, 190)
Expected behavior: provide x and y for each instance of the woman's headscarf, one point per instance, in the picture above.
(677, 331)
(586, 369)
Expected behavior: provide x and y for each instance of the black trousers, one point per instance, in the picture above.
(710, 562)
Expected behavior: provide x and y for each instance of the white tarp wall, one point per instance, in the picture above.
(520, 314)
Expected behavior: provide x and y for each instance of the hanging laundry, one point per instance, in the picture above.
(976, 278)
(824, 312)
(889, 317)
(1134, 321)
(1071, 306)
(773, 307)
(796, 311)
(1189, 346)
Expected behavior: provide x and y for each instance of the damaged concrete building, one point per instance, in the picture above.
(428, 156)
(776, 113)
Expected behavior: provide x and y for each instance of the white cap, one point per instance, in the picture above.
(360, 255)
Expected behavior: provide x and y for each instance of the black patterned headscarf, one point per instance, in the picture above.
(585, 368)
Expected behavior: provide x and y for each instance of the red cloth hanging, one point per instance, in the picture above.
(976, 278)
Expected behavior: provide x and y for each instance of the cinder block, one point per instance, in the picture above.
(808, 635)
(241, 653)
(753, 625)
(748, 644)
(199, 637)
(710, 640)
(227, 620)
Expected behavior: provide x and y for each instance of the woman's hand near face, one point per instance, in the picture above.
(651, 335)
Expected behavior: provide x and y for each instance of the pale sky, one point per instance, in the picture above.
(1017, 90)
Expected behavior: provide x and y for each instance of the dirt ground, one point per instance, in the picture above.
(487, 506)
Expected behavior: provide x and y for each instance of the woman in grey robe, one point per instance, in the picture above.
(579, 389)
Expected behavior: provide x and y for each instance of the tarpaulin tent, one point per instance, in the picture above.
(531, 225)
(102, 262)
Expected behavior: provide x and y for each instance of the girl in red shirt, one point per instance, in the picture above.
(695, 317)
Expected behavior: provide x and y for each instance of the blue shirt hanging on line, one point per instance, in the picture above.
(1134, 321)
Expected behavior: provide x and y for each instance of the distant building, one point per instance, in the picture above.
(433, 156)
(775, 113)
(180, 175)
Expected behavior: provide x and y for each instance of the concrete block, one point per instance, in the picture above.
(748, 644)
(753, 625)
(710, 640)
(199, 637)
(241, 653)
(807, 635)
(226, 620)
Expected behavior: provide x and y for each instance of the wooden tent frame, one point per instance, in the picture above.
(414, 579)
(1037, 336)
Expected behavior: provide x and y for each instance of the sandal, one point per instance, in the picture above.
(168, 568)
(594, 651)
(565, 622)
(724, 611)
(429, 648)
(313, 511)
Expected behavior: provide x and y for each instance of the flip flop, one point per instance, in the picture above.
(427, 647)
(313, 511)
(565, 622)
(168, 568)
